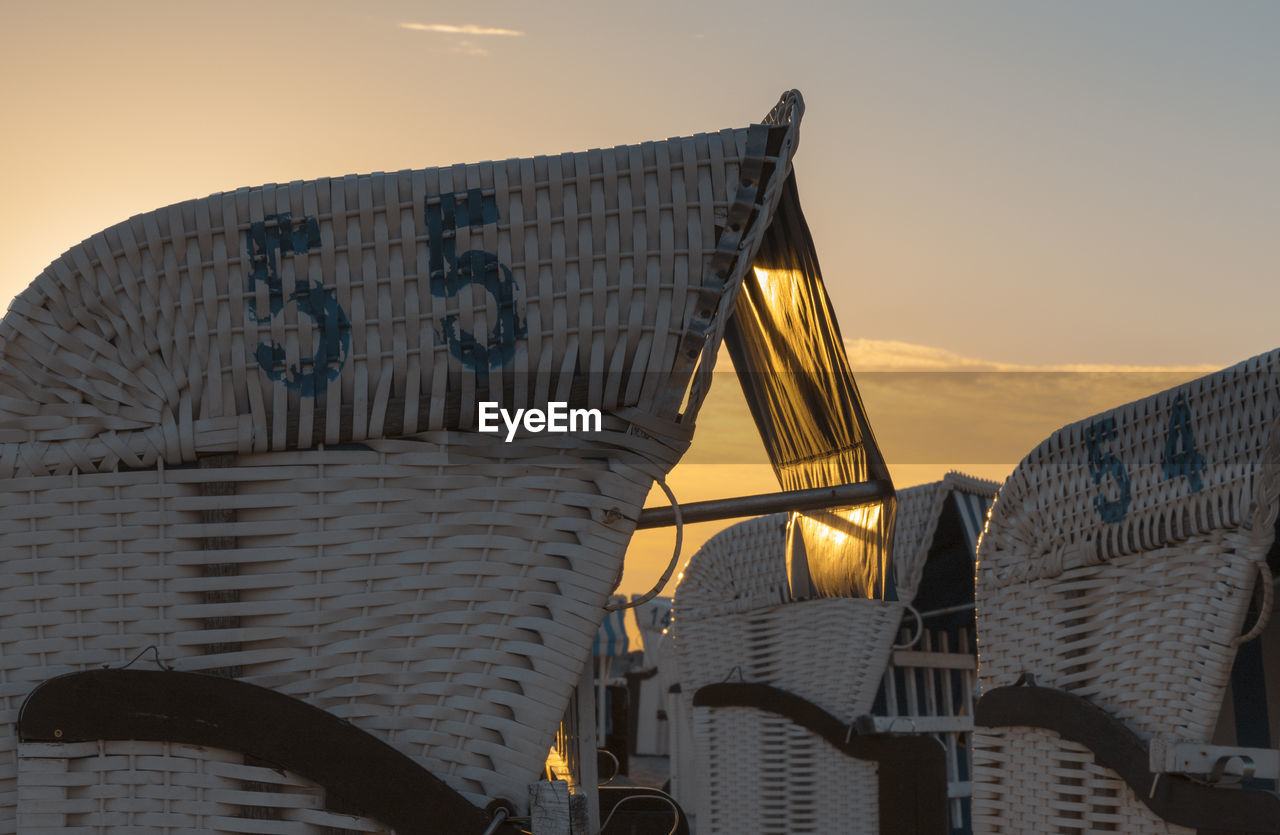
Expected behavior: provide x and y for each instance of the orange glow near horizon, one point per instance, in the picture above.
(926, 422)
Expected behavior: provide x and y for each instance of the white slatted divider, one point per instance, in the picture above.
(929, 689)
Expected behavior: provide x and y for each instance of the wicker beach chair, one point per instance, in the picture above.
(1124, 582)
(757, 769)
(737, 621)
(239, 437)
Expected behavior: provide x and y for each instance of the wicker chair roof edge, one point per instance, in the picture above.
(383, 305)
(919, 510)
(1194, 458)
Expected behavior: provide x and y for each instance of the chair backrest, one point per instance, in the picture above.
(1118, 567)
(246, 430)
(735, 571)
(735, 621)
(338, 310)
(739, 569)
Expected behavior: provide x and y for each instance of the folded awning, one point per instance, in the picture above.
(973, 515)
(611, 639)
(790, 358)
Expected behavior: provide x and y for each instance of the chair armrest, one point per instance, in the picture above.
(912, 769)
(367, 775)
(1173, 797)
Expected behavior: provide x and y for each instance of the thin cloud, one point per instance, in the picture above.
(468, 48)
(888, 355)
(469, 29)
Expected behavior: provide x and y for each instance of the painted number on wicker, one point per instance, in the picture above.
(1180, 456)
(1103, 464)
(267, 241)
(451, 272)
(1181, 460)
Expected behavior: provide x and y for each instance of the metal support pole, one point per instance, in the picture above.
(949, 610)
(844, 495)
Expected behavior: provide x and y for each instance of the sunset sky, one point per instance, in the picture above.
(1026, 211)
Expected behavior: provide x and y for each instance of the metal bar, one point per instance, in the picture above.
(844, 495)
(950, 610)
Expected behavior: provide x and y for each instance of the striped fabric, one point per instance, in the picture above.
(611, 639)
(973, 514)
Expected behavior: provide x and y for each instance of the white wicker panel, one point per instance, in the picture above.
(832, 651)
(439, 592)
(1114, 484)
(741, 568)
(370, 306)
(161, 788)
(1148, 637)
(1065, 792)
(761, 773)
(754, 771)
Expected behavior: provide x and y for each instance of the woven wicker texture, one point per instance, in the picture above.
(756, 772)
(372, 306)
(761, 773)
(1118, 564)
(1066, 793)
(439, 592)
(180, 394)
(733, 620)
(739, 569)
(832, 651)
(160, 787)
(918, 511)
(1186, 461)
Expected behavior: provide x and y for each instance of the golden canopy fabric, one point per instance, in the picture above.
(789, 356)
